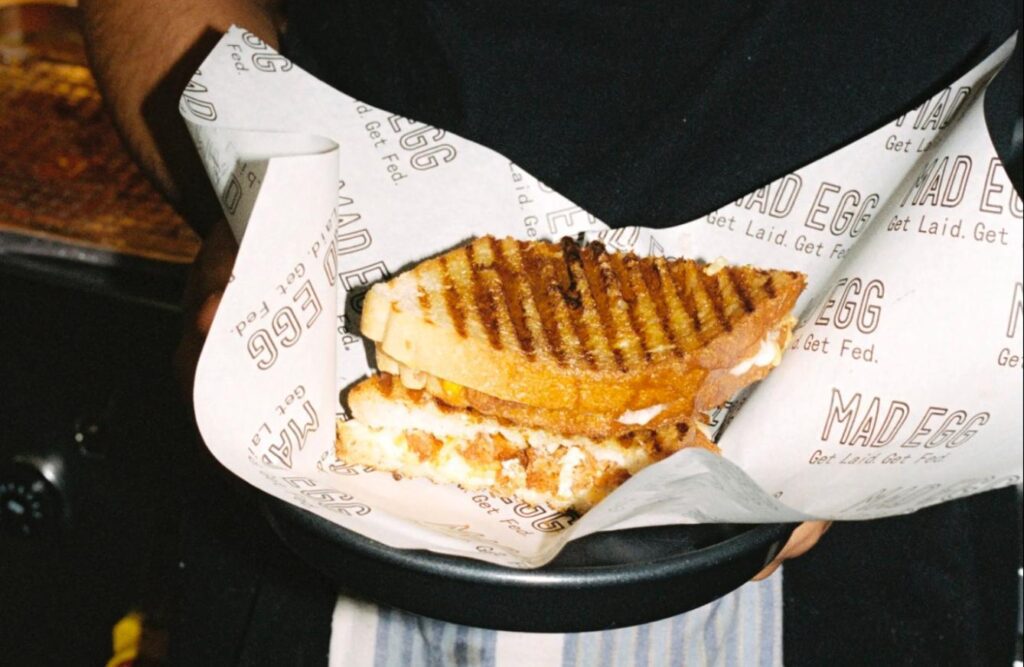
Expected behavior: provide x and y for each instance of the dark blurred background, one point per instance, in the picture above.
(91, 266)
(92, 263)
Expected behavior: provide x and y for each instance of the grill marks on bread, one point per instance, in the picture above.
(635, 335)
(452, 299)
(738, 289)
(580, 305)
(483, 300)
(599, 305)
(572, 295)
(680, 307)
(512, 291)
(533, 271)
(655, 286)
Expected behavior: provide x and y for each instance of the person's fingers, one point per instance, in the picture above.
(803, 539)
(204, 316)
(186, 356)
(211, 269)
(196, 328)
(768, 570)
(210, 274)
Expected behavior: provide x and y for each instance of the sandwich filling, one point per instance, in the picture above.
(641, 416)
(568, 476)
(413, 433)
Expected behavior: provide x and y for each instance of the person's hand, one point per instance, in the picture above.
(800, 542)
(142, 55)
(209, 275)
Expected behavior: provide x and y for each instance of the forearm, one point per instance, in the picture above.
(142, 55)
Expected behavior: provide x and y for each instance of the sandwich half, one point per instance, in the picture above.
(564, 352)
(558, 326)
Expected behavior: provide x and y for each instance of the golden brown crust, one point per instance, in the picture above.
(722, 384)
(566, 422)
(557, 326)
(707, 391)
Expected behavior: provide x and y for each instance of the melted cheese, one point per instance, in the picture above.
(716, 266)
(513, 470)
(572, 458)
(641, 416)
(453, 390)
(704, 427)
(769, 353)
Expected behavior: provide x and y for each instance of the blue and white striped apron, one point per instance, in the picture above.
(742, 628)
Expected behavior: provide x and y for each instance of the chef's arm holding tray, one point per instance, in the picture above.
(926, 189)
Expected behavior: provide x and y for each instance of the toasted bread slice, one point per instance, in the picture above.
(564, 327)
(563, 422)
(412, 433)
(718, 386)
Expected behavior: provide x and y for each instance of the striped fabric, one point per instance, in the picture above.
(742, 628)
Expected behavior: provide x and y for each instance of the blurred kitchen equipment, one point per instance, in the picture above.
(91, 435)
(64, 175)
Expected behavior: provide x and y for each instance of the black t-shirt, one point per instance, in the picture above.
(649, 113)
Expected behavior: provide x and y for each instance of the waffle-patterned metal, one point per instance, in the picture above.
(65, 176)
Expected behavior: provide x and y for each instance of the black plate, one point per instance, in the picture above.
(605, 580)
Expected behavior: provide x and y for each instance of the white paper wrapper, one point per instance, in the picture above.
(902, 387)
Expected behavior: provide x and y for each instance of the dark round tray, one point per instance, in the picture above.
(601, 581)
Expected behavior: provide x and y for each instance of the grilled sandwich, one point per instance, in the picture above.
(569, 343)
(563, 327)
